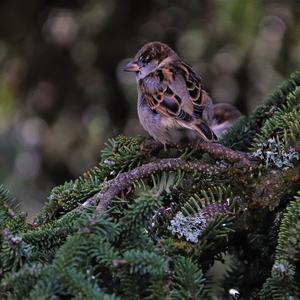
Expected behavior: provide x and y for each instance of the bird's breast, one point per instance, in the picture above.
(154, 123)
(149, 84)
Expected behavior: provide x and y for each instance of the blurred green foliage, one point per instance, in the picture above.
(63, 92)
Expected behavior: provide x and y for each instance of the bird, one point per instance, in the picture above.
(172, 105)
(225, 116)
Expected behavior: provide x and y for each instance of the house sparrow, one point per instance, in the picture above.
(225, 116)
(172, 105)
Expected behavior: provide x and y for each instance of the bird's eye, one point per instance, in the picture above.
(145, 59)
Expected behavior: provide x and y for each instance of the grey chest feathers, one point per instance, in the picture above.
(163, 129)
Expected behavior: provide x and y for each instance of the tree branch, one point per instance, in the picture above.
(114, 186)
(216, 150)
(220, 151)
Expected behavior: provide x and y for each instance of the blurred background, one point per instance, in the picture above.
(63, 91)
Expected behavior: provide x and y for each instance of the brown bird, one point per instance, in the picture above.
(172, 105)
(225, 116)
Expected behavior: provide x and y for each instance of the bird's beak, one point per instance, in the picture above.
(132, 67)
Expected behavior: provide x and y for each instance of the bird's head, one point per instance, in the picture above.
(150, 57)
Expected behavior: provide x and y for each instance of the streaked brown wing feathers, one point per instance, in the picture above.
(196, 93)
(166, 102)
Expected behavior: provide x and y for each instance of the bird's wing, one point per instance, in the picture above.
(161, 90)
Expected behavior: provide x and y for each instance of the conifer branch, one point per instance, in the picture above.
(216, 150)
(114, 186)
(220, 151)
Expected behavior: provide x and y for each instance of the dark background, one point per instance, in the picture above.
(63, 92)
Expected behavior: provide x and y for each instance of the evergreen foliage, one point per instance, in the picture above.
(242, 135)
(10, 219)
(159, 237)
(118, 155)
(189, 281)
(284, 122)
(283, 283)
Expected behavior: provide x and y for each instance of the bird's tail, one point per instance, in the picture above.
(205, 131)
